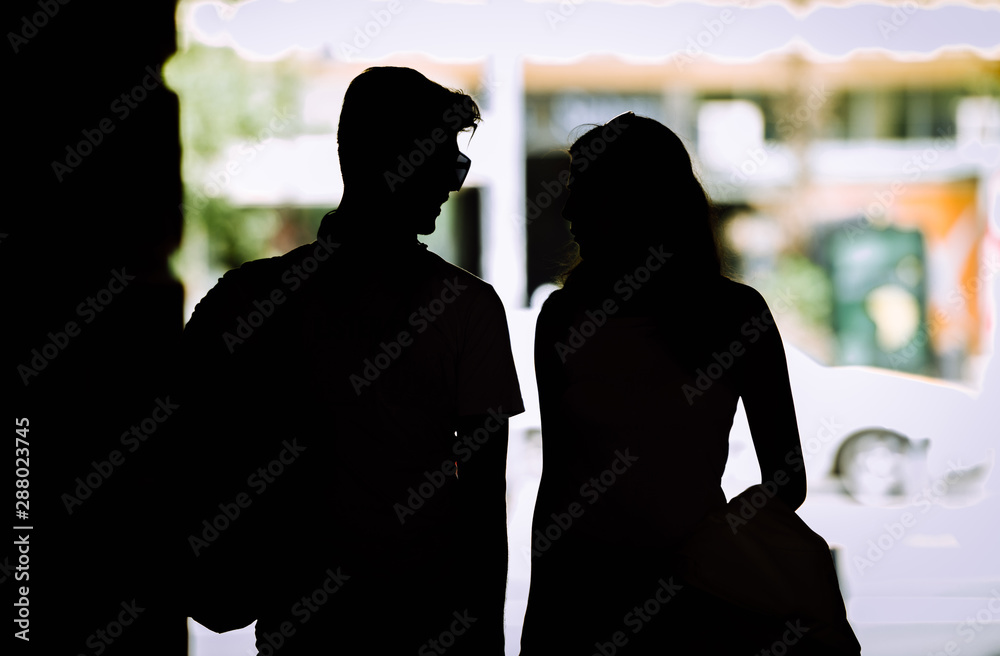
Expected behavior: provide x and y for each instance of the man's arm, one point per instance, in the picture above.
(204, 438)
(487, 395)
(482, 479)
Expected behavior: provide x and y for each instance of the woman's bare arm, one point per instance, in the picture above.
(767, 398)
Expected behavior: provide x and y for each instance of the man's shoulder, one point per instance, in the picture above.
(306, 257)
(242, 281)
(276, 271)
(440, 270)
(252, 280)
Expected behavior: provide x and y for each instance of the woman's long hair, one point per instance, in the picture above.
(657, 197)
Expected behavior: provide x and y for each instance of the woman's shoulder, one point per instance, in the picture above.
(739, 294)
(554, 307)
(727, 306)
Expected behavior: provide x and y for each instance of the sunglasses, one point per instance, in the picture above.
(462, 169)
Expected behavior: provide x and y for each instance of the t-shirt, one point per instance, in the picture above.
(328, 384)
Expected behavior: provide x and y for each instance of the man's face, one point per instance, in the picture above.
(432, 176)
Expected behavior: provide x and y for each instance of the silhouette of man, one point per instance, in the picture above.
(346, 411)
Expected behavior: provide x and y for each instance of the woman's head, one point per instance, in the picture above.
(632, 188)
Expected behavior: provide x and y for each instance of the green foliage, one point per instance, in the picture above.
(236, 234)
(797, 277)
(226, 101)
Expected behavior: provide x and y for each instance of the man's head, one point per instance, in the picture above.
(398, 141)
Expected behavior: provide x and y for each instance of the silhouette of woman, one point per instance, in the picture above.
(641, 359)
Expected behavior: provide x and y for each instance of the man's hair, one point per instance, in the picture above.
(385, 109)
